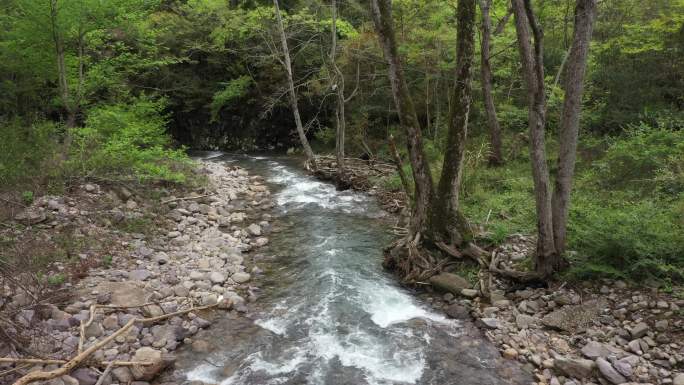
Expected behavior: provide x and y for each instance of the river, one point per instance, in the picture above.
(328, 313)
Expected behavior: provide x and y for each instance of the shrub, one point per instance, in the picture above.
(124, 140)
(26, 152)
(648, 159)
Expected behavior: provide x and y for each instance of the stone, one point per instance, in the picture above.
(489, 323)
(200, 346)
(594, 349)
(152, 310)
(510, 354)
(139, 275)
(157, 363)
(173, 234)
(449, 282)
(30, 217)
(608, 372)
(574, 318)
(469, 293)
(94, 330)
(639, 330)
(241, 277)
(90, 188)
(678, 379)
(122, 374)
(217, 277)
(635, 346)
(85, 376)
(457, 311)
(624, 367)
(262, 241)
(131, 204)
(111, 322)
(662, 325)
(524, 321)
(574, 367)
(254, 229)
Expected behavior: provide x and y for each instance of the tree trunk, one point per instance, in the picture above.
(495, 155)
(339, 108)
(311, 159)
(446, 223)
(547, 259)
(61, 66)
(585, 11)
(382, 18)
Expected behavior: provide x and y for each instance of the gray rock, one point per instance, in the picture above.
(122, 374)
(85, 376)
(489, 323)
(595, 349)
(262, 241)
(678, 379)
(574, 367)
(639, 330)
(449, 282)
(254, 229)
(173, 234)
(624, 367)
(241, 277)
(156, 361)
(31, 217)
(217, 277)
(139, 275)
(524, 321)
(457, 311)
(608, 372)
(469, 293)
(662, 325)
(111, 322)
(575, 317)
(94, 330)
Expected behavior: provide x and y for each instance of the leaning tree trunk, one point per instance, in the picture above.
(585, 11)
(310, 157)
(446, 223)
(495, 156)
(547, 259)
(382, 18)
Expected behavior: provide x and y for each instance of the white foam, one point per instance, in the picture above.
(202, 373)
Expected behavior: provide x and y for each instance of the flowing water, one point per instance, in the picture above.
(328, 313)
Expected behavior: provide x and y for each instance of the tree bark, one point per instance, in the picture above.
(495, 155)
(340, 115)
(446, 222)
(585, 12)
(311, 158)
(547, 258)
(61, 66)
(382, 18)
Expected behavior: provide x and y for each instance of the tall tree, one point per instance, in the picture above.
(552, 211)
(585, 13)
(382, 18)
(495, 155)
(310, 157)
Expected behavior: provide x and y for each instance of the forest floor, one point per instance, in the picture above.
(77, 268)
(571, 332)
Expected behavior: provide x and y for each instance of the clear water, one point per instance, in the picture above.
(328, 313)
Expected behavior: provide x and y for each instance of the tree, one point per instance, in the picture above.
(552, 212)
(310, 157)
(495, 156)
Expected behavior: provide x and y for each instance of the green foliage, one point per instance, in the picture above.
(648, 159)
(27, 197)
(124, 140)
(107, 261)
(232, 91)
(26, 152)
(56, 279)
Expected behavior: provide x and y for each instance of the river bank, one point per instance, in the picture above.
(569, 333)
(170, 262)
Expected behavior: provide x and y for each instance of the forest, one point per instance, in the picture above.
(118, 89)
(341, 192)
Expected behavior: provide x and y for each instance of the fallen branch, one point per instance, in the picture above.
(81, 357)
(105, 373)
(186, 198)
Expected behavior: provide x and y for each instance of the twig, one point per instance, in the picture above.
(185, 198)
(105, 373)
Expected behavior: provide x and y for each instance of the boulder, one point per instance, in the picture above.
(157, 363)
(574, 318)
(126, 293)
(608, 372)
(639, 330)
(594, 349)
(574, 367)
(489, 323)
(449, 282)
(457, 311)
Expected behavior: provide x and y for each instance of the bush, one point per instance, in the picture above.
(630, 240)
(26, 152)
(124, 140)
(648, 159)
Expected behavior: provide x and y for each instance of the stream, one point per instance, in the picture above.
(327, 312)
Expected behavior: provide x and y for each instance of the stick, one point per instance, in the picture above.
(76, 361)
(186, 198)
(105, 373)
(57, 362)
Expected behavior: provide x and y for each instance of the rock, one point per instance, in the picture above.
(449, 282)
(90, 188)
(85, 376)
(524, 321)
(678, 379)
(502, 303)
(625, 367)
(217, 277)
(125, 293)
(595, 349)
(489, 323)
(68, 380)
(122, 374)
(152, 310)
(457, 311)
(94, 330)
(111, 322)
(574, 367)
(609, 372)
(254, 229)
(173, 234)
(200, 346)
(152, 356)
(510, 354)
(31, 217)
(262, 241)
(662, 325)
(469, 293)
(241, 277)
(574, 318)
(635, 346)
(639, 330)
(139, 275)
(131, 204)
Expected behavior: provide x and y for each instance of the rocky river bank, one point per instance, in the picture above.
(185, 259)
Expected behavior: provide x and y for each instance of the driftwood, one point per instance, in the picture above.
(82, 356)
